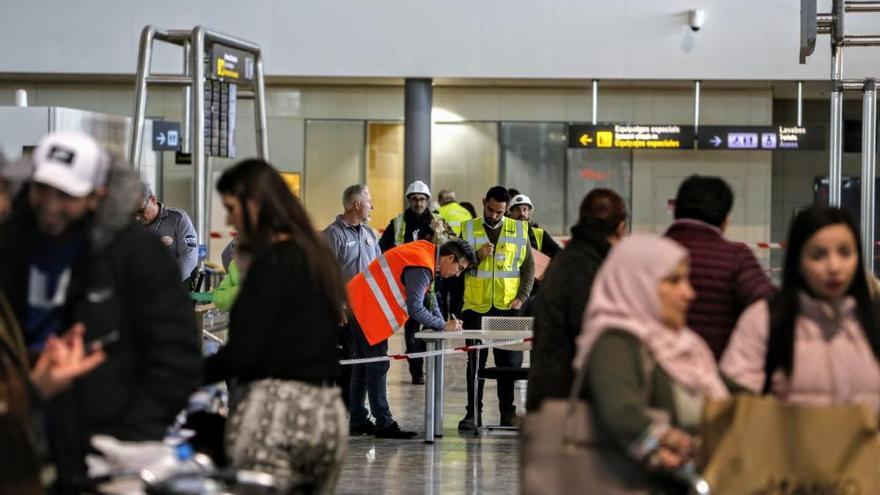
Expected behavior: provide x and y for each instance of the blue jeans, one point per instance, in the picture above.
(368, 381)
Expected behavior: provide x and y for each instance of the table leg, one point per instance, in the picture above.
(439, 377)
(430, 345)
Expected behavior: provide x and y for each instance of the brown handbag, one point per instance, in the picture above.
(562, 450)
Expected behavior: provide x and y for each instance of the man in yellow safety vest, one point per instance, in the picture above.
(452, 212)
(498, 287)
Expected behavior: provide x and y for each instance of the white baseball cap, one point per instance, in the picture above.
(72, 162)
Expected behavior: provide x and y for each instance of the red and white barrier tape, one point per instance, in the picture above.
(416, 355)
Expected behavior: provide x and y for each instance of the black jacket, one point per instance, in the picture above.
(414, 222)
(559, 310)
(124, 280)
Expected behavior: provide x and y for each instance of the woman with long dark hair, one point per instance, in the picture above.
(816, 342)
(281, 351)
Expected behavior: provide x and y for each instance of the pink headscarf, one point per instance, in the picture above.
(624, 297)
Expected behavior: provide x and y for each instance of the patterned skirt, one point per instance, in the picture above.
(293, 430)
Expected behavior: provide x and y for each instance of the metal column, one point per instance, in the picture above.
(187, 99)
(145, 55)
(260, 109)
(430, 390)
(417, 131)
(869, 157)
(697, 87)
(197, 130)
(835, 168)
(595, 101)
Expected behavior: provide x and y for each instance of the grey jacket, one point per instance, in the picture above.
(355, 247)
(176, 231)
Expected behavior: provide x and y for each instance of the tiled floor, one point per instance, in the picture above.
(456, 463)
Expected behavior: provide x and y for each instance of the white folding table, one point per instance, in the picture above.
(434, 380)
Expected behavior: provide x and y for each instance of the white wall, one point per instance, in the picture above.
(621, 39)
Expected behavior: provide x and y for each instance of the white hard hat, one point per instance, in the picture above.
(521, 199)
(418, 187)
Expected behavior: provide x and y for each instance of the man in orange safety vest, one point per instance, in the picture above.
(392, 289)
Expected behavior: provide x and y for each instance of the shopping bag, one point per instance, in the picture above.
(759, 446)
(563, 452)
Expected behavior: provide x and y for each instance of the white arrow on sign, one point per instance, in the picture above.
(161, 138)
(716, 141)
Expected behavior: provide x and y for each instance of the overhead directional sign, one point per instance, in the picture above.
(232, 64)
(166, 135)
(766, 138)
(631, 136)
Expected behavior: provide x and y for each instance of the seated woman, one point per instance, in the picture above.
(281, 351)
(647, 373)
(816, 342)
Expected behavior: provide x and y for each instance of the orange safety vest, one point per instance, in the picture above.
(377, 296)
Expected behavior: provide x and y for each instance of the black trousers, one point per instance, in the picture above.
(513, 359)
(412, 344)
(450, 292)
(346, 351)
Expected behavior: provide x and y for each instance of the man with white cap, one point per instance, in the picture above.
(73, 254)
(415, 223)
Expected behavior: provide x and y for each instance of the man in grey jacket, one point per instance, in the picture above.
(355, 246)
(174, 228)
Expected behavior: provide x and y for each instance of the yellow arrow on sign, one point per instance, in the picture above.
(585, 139)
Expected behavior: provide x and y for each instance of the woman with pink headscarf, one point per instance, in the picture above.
(647, 374)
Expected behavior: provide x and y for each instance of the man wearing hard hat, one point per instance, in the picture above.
(416, 223)
(521, 208)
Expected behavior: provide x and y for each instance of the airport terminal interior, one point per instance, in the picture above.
(522, 110)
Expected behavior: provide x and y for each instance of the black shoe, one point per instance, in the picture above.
(367, 428)
(510, 420)
(393, 431)
(467, 424)
(418, 380)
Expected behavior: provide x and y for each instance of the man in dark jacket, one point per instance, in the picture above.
(72, 253)
(725, 275)
(416, 222)
(559, 306)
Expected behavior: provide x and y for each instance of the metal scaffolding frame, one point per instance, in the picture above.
(812, 24)
(194, 44)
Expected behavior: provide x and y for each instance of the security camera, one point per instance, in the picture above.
(696, 19)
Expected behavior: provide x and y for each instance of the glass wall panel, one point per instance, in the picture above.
(589, 169)
(385, 171)
(533, 161)
(334, 160)
(464, 159)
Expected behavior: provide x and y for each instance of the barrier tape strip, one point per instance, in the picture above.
(416, 355)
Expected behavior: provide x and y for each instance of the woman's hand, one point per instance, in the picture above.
(63, 360)
(676, 448)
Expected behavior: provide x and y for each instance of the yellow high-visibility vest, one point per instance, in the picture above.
(539, 237)
(399, 226)
(496, 279)
(455, 215)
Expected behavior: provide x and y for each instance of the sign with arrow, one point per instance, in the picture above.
(767, 138)
(166, 135)
(631, 136)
